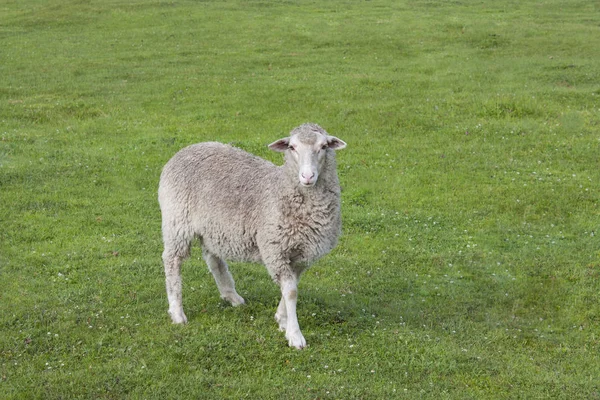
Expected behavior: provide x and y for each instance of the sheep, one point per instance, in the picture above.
(244, 208)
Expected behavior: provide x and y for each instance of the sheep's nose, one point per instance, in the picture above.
(308, 178)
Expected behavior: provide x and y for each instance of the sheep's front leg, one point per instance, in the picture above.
(281, 315)
(289, 293)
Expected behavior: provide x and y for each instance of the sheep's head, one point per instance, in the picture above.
(306, 149)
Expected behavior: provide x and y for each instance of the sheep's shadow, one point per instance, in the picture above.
(320, 307)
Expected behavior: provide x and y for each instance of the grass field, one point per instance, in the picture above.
(469, 266)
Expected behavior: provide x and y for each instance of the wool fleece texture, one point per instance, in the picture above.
(244, 208)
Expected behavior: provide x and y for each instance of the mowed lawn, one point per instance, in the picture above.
(469, 266)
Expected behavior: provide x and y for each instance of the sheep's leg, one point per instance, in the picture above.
(223, 278)
(173, 278)
(281, 315)
(289, 293)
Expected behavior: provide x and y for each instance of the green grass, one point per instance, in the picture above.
(470, 261)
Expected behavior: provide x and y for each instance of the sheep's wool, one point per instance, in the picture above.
(244, 208)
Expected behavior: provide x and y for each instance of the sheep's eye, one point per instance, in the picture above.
(292, 148)
(324, 147)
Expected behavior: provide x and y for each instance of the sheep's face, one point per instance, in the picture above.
(307, 148)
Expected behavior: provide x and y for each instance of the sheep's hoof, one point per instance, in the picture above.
(296, 340)
(178, 317)
(235, 299)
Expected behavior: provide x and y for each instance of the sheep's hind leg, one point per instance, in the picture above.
(223, 278)
(173, 282)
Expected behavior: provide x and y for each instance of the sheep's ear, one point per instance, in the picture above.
(280, 145)
(335, 143)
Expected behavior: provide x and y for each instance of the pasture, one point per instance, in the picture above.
(469, 265)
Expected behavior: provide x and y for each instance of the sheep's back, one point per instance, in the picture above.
(218, 190)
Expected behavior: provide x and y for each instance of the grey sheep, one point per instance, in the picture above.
(244, 208)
